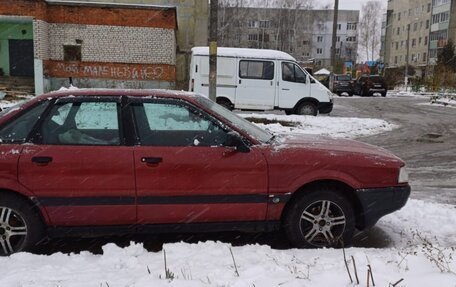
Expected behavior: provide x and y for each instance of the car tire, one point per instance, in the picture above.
(307, 109)
(225, 103)
(321, 218)
(21, 227)
(350, 94)
(383, 94)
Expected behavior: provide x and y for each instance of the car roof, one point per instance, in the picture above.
(66, 92)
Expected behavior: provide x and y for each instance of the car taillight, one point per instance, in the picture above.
(192, 86)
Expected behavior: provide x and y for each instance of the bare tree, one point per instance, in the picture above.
(370, 28)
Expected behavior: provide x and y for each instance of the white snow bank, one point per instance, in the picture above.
(211, 264)
(328, 126)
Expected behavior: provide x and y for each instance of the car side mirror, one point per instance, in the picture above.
(312, 81)
(234, 140)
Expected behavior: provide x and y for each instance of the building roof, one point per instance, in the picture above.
(244, 53)
(108, 4)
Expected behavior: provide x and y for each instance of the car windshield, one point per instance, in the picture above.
(246, 126)
(343, 78)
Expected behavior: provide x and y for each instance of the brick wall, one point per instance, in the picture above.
(116, 44)
(41, 39)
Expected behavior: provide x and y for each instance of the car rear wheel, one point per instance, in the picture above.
(307, 109)
(20, 226)
(322, 218)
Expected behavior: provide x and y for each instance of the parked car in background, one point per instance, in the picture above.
(368, 85)
(342, 84)
(91, 162)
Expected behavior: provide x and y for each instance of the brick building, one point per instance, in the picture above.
(98, 45)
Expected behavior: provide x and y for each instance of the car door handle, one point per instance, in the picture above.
(41, 160)
(151, 160)
(285, 89)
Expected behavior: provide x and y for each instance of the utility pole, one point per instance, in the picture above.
(407, 58)
(334, 36)
(213, 50)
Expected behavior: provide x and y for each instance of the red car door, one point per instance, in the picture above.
(184, 174)
(79, 171)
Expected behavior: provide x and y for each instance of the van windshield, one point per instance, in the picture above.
(241, 123)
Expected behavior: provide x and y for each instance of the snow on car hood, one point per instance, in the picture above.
(336, 146)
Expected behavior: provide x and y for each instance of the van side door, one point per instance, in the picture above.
(256, 85)
(293, 85)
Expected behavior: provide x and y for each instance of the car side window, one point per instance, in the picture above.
(17, 130)
(82, 123)
(260, 70)
(288, 72)
(175, 124)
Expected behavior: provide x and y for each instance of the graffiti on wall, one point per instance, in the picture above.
(144, 72)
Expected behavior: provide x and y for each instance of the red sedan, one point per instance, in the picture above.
(131, 161)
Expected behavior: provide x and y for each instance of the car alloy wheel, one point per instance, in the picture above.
(13, 231)
(322, 223)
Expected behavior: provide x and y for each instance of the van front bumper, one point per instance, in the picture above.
(325, 107)
(377, 202)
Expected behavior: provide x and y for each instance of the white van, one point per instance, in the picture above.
(256, 79)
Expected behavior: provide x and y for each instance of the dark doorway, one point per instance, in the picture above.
(21, 58)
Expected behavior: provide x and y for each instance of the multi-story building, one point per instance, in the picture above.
(440, 28)
(407, 30)
(305, 34)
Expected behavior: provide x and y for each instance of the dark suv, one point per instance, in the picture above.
(342, 84)
(368, 85)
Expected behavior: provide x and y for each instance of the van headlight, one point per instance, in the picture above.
(403, 175)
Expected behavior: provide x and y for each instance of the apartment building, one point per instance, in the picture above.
(305, 34)
(440, 28)
(407, 30)
(424, 25)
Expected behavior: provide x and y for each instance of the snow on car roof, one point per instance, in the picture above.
(116, 92)
(244, 53)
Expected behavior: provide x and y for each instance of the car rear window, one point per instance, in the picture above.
(377, 79)
(343, 78)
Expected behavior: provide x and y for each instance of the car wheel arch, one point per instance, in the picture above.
(339, 187)
(306, 100)
(30, 200)
(222, 100)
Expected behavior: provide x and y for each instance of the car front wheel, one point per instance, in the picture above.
(321, 218)
(307, 109)
(20, 226)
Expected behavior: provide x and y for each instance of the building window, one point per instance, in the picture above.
(397, 45)
(399, 16)
(339, 26)
(338, 38)
(265, 24)
(319, 38)
(351, 39)
(337, 51)
(305, 42)
(424, 57)
(398, 30)
(419, 41)
(415, 26)
(395, 59)
(427, 24)
(72, 53)
(319, 51)
(429, 7)
(252, 24)
(426, 40)
(253, 37)
(413, 42)
(351, 26)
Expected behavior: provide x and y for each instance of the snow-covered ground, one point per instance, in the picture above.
(321, 125)
(422, 238)
(419, 247)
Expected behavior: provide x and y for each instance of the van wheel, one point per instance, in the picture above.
(20, 226)
(225, 103)
(307, 109)
(321, 218)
